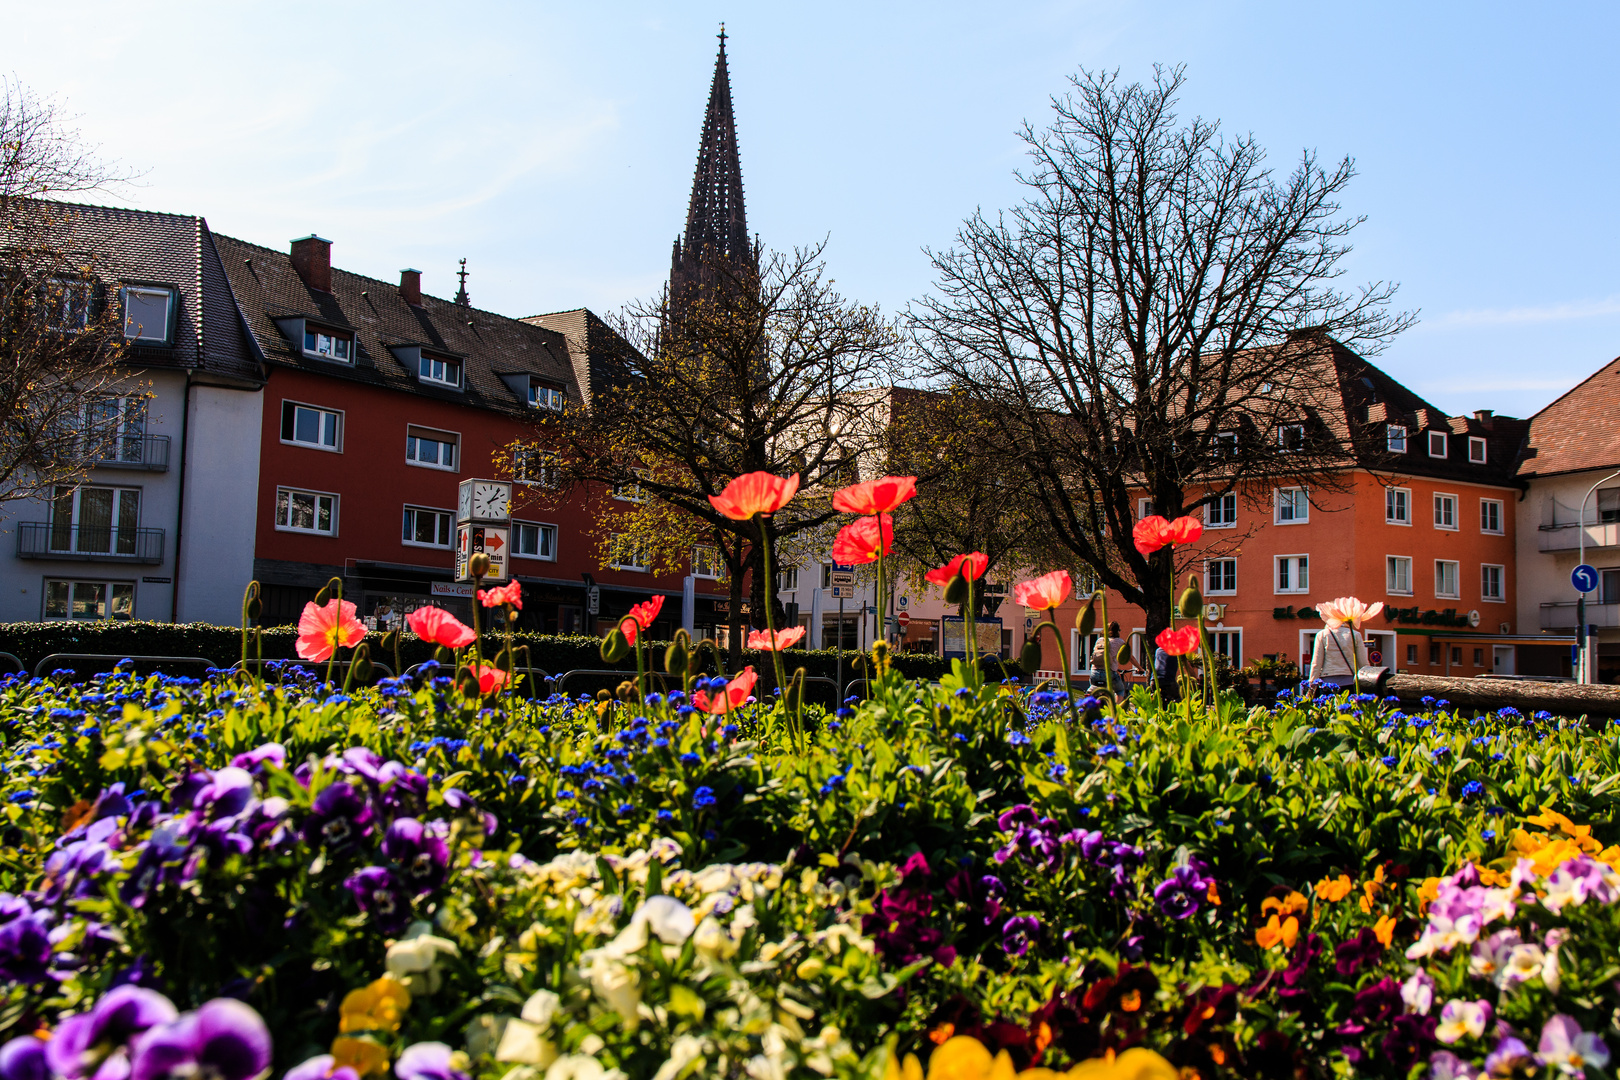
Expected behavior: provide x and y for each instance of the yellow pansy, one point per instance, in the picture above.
(378, 1007)
(1384, 930)
(362, 1055)
(1332, 890)
(963, 1057)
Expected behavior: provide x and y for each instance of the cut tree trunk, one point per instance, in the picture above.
(1558, 698)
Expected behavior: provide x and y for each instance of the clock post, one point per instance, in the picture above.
(483, 526)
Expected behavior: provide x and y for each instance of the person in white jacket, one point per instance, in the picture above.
(1339, 650)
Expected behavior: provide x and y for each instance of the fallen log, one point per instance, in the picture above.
(1487, 695)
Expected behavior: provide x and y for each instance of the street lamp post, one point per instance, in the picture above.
(1585, 668)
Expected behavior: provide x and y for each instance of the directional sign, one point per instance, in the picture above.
(488, 539)
(1584, 577)
(847, 591)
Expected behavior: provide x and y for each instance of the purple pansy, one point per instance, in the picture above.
(1017, 933)
(339, 818)
(224, 1040)
(380, 895)
(83, 1041)
(420, 850)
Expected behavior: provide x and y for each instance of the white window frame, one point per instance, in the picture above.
(1501, 583)
(630, 491)
(417, 433)
(540, 527)
(332, 337)
(1456, 579)
(1445, 443)
(1222, 514)
(1392, 563)
(444, 516)
(323, 412)
(1501, 516)
(316, 509)
(106, 602)
(1439, 498)
(545, 396)
(1235, 633)
(1277, 506)
(167, 337)
(1479, 444)
(1210, 588)
(535, 468)
(787, 579)
(114, 428)
(68, 310)
(1390, 497)
(1284, 445)
(1144, 508)
(1225, 445)
(426, 363)
(1395, 439)
(120, 534)
(616, 546)
(717, 569)
(1295, 562)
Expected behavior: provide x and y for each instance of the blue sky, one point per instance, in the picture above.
(553, 144)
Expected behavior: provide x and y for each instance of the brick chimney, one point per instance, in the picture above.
(410, 287)
(1484, 417)
(312, 258)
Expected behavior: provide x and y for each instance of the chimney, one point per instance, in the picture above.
(410, 287)
(312, 258)
(1484, 417)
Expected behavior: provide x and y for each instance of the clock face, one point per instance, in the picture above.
(464, 501)
(491, 500)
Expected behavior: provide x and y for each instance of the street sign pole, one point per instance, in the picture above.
(1585, 673)
(840, 679)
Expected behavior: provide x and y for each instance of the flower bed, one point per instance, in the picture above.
(218, 877)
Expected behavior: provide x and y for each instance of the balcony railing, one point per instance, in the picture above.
(150, 452)
(1561, 616)
(99, 543)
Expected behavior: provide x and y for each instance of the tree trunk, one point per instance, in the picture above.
(734, 623)
(1558, 698)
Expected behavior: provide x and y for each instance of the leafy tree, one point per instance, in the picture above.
(1155, 320)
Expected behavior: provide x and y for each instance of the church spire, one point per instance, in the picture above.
(716, 222)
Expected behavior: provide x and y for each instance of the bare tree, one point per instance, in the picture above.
(60, 339)
(767, 370)
(1156, 320)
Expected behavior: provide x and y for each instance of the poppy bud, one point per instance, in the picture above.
(478, 565)
(1192, 601)
(1086, 618)
(603, 696)
(627, 691)
(1030, 658)
(675, 656)
(956, 592)
(468, 682)
(795, 693)
(360, 673)
(333, 587)
(251, 604)
(1123, 657)
(390, 641)
(614, 647)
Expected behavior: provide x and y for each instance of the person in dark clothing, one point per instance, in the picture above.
(1166, 676)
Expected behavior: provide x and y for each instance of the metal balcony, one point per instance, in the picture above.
(149, 452)
(89, 543)
(1561, 615)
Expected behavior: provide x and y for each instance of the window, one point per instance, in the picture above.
(1490, 516)
(1609, 583)
(434, 369)
(706, 564)
(1398, 575)
(1144, 508)
(1456, 654)
(1086, 582)
(1228, 643)
(1479, 657)
(1293, 507)
(425, 527)
(65, 305)
(1445, 579)
(95, 520)
(1395, 438)
(542, 396)
(1398, 506)
(1434, 654)
(148, 314)
(1293, 574)
(1608, 506)
(1220, 576)
(1222, 513)
(1411, 653)
(1291, 437)
(534, 541)
(1445, 511)
(306, 511)
(536, 468)
(623, 554)
(432, 449)
(1476, 449)
(1437, 444)
(630, 490)
(307, 425)
(1225, 445)
(1490, 583)
(328, 345)
(115, 428)
(89, 599)
(787, 579)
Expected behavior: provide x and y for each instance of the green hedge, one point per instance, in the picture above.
(32, 641)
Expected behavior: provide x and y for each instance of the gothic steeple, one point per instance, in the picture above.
(716, 223)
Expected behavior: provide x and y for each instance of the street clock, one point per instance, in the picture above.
(484, 500)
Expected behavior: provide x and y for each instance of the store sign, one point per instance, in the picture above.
(1290, 613)
(1448, 617)
(453, 588)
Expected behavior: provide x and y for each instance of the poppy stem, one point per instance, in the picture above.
(768, 569)
(1063, 658)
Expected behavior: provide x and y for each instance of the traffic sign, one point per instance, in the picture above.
(593, 600)
(841, 574)
(843, 591)
(1584, 577)
(904, 619)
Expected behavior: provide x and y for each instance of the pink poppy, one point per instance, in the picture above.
(436, 625)
(322, 629)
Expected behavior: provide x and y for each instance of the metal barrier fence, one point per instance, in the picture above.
(315, 669)
(101, 663)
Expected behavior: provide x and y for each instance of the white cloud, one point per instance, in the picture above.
(1515, 316)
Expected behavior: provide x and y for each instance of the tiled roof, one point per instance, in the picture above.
(488, 345)
(1578, 431)
(144, 246)
(591, 342)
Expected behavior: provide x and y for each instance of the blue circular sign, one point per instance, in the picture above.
(1584, 578)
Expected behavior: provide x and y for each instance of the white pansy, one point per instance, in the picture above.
(1418, 993)
(711, 940)
(670, 919)
(685, 1050)
(541, 1008)
(525, 1043)
(581, 1067)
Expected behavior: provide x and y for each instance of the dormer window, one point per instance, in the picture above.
(1437, 444)
(542, 396)
(1291, 437)
(66, 305)
(439, 371)
(1476, 449)
(148, 314)
(328, 345)
(1395, 436)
